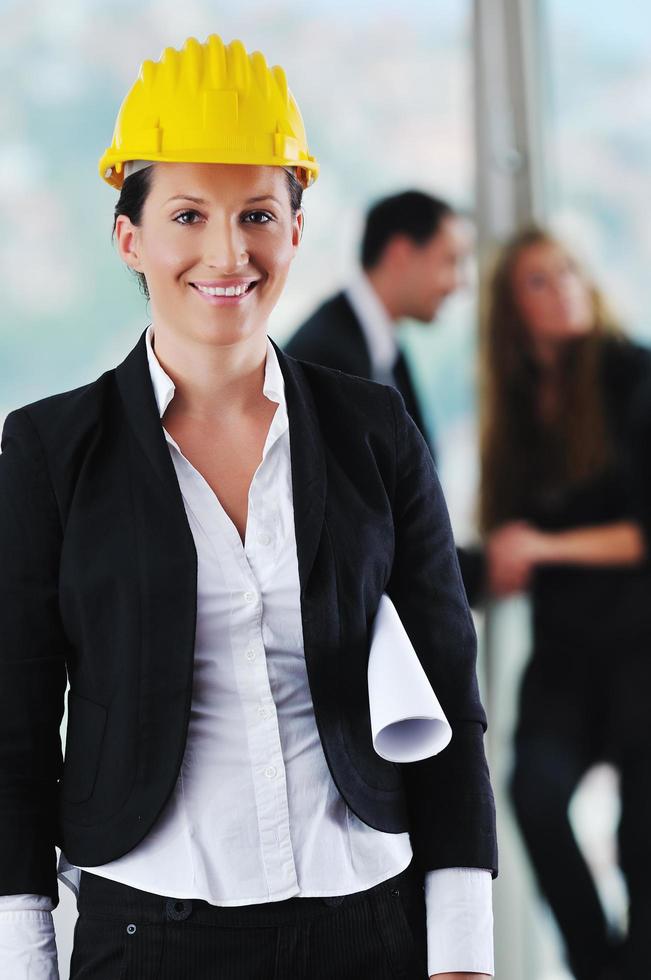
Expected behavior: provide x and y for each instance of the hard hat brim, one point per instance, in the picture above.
(111, 165)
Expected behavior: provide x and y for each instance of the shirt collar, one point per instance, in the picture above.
(375, 322)
(164, 388)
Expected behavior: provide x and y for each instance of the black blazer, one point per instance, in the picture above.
(98, 581)
(333, 336)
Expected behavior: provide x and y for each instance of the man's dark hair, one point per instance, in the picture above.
(414, 214)
(136, 187)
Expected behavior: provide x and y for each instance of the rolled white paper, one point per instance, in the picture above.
(407, 721)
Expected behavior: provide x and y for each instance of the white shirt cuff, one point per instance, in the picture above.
(27, 941)
(459, 906)
(30, 903)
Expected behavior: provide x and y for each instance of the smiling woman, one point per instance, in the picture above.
(201, 539)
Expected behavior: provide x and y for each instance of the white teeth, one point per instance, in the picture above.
(223, 291)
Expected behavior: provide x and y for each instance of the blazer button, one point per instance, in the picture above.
(334, 900)
(178, 909)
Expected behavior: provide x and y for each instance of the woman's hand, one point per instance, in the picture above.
(513, 551)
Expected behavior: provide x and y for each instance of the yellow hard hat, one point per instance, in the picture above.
(209, 103)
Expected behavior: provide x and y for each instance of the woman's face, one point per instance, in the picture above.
(551, 296)
(215, 244)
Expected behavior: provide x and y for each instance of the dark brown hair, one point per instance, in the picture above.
(413, 214)
(521, 453)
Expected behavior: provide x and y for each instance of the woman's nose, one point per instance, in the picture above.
(225, 247)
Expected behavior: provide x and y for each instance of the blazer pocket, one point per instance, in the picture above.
(84, 738)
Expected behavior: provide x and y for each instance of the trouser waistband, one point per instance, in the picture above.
(101, 896)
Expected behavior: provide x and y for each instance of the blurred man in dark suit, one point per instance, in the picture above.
(413, 249)
(412, 254)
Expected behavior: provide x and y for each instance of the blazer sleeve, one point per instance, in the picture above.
(449, 797)
(32, 663)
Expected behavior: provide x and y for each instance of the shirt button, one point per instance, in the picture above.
(263, 712)
(249, 596)
(270, 772)
(250, 654)
(264, 539)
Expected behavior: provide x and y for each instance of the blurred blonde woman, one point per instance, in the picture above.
(565, 502)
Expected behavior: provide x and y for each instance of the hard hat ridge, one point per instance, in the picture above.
(238, 64)
(281, 81)
(260, 71)
(192, 64)
(217, 61)
(209, 103)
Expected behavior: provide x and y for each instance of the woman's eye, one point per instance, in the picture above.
(258, 217)
(180, 218)
(536, 282)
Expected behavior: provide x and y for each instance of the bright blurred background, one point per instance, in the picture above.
(393, 96)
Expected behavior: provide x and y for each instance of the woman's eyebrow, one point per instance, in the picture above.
(263, 197)
(186, 197)
(200, 200)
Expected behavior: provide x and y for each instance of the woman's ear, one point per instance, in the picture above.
(128, 239)
(298, 225)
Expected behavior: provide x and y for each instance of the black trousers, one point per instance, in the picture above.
(580, 706)
(126, 934)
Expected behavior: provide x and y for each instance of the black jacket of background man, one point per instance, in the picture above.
(98, 581)
(333, 336)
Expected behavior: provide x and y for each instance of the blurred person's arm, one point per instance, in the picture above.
(620, 543)
(516, 549)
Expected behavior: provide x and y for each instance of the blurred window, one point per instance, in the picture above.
(598, 143)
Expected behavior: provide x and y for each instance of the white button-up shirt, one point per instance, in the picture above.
(255, 815)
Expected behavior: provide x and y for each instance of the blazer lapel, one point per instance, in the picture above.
(137, 391)
(309, 479)
(167, 569)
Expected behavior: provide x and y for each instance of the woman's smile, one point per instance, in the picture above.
(225, 292)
